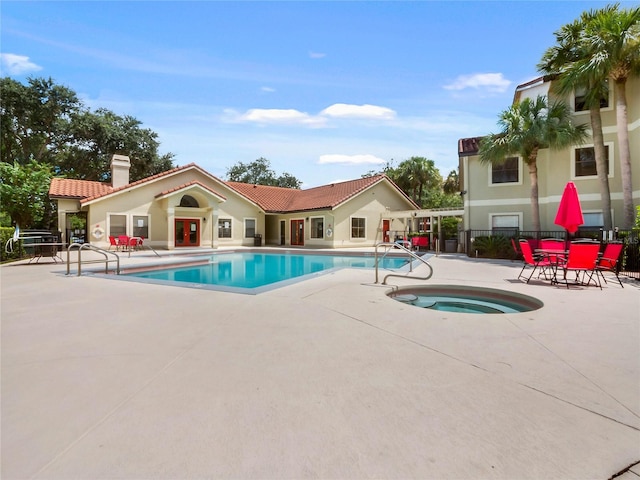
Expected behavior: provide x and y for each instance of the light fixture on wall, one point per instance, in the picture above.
(204, 219)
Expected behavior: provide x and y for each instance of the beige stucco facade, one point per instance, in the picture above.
(487, 204)
(193, 208)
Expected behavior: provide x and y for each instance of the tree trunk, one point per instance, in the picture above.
(601, 166)
(628, 214)
(533, 178)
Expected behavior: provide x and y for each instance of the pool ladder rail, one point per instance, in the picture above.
(87, 246)
(389, 247)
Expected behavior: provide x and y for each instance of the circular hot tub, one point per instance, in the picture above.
(462, 299)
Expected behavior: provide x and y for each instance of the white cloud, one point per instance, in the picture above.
(17, 64)
(280, 116)
(493, 82)
(343, 110)
(350, 159)
(267, 89)
(317, 55)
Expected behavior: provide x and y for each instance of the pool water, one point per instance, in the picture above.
(254, 270)
(455, 298)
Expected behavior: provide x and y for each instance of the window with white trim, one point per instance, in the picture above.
(507, 171)
(224, 228)
(317, 227)
(249, 227)
(505, 223)
(117, 224)
(358, 227)
(140, 226)
(580, 98)
(592, 220)
(424, 224)
(585, 161)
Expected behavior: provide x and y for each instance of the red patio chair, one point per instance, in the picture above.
(582, 259)
(609, 261)
(123, 242)
(134, 242)
(516, 251)
(555, 249)
(534, 261)
(113, 242)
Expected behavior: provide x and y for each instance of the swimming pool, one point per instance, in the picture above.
(250, 272)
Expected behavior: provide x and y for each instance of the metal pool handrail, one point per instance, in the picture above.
(104, 253)
(408, 252)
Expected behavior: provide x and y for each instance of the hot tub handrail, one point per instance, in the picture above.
(88, 246)
(408, 252)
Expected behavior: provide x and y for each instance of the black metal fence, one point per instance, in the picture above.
(498, 244)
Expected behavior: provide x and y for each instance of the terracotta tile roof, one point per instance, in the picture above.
(67, 188)
(190, 184)
(332, 195)
(87, 190)
(270, 199)
(282, 200)
(468, 146)
(144, 180)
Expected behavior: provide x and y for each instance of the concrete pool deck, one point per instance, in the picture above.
(327, 378)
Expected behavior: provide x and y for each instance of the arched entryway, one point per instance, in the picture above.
(187, 230)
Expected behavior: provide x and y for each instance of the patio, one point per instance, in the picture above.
(327, 378)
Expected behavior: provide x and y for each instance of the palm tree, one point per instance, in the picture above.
(417, 176)
(613, 40)
(527, 127)
(601, 45)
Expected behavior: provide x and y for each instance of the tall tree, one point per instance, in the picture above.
(34, 119)
(418, 177)
(527, 127)
(46, 122)
(24, 190)
(259, 172)
(100, 134)
(612, 40)
(598, 46)
(452, 183)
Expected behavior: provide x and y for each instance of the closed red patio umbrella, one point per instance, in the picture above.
(569, 214)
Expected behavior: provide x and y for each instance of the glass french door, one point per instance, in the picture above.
(297, 232)
(187, 232)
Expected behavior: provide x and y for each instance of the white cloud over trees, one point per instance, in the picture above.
(17, 64)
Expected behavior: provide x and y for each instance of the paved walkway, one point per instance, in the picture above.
(328, 378)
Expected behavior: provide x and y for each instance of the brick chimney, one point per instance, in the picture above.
(120, 165)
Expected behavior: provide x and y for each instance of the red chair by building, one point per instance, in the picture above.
(582, 259)
(534, 261)
(609, 262)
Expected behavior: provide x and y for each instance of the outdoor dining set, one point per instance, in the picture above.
(125, 243)
(581, 262)
(577, 262)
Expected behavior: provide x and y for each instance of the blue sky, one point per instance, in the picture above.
(325, 90)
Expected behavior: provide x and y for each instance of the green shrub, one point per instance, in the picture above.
(492, 246)
(5, 234)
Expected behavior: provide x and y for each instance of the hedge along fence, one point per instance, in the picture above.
(492, 246)
(488, 244)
